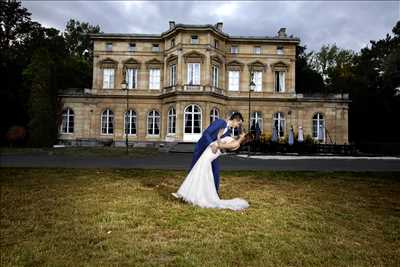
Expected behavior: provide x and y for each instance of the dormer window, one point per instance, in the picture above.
(172, 42)
(132, 47)
(234, 49)
(156, 48)
(216, 44)
(279, 50)
(257, 50)
(195, 39)
(108, 47)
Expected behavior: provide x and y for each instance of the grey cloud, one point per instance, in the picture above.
(348, 24)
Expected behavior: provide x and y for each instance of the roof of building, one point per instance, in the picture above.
(217, 28)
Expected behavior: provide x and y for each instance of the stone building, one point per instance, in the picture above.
(179, 81)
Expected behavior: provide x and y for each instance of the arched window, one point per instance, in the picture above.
(192, 118)
(171, 121)
(256, 121)
(318, 127)
(279, 124)
(214, 114)
(67, 125)
(130, 122)
(107, 122)
(153, 123)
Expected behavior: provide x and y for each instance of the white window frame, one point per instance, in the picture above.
(172, 75)
(131, 116)
(320, 123)
(191, 114)
(194, 40)
(193, 73)
(171, 121)
(109, 46)
(215, 76)
(280, 50)
(108, 78)
(67, 119)
(108, 116)
(131, 47)
(131, 78)
(154, 79)
(214, 115)
(155, 48)
(257, 79)
(256, 116)
(280, 118)
(155, 117)
(257, 50)
(234, 49)
(234, 80)
(281, 82)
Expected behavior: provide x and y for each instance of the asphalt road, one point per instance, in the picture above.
(181, 161)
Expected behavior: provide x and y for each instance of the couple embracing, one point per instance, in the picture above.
(201, 185)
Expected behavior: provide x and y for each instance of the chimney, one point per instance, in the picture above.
(219, 26)
(171, 24)
(282, 32)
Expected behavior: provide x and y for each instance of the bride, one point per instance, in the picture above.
(198, 188)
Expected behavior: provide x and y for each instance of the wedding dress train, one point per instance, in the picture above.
(198, 188)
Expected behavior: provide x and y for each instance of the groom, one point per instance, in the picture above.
(210, 134)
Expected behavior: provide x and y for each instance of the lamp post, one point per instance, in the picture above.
(251, 88)
(124, 87)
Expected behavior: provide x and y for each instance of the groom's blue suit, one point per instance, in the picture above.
(209, 135)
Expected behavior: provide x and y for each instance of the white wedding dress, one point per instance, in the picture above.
(198, 188)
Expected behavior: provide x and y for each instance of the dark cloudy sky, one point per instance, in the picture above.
(349, 24)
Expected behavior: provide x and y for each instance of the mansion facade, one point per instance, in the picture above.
(169, 87)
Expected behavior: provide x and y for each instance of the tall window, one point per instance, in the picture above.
(108, 78)
(195, 39)
(234, 49)
(130, 122)
(318, 128)
(257, 78)
(172, 42)
(233, 76)
(257, 50)
(154, 82)
(153, 123)
(107, 122)
(131, 78)
(132, 47)
(108, 47)
(216, 43)
(215, 75)
(172, 75)
(67, 125)
(279, 81)
(214, 115)
(256, 121)
(192, 118)
(279, 124)
(193, 74)
(171, 121)
(155, 48)
(279, 50)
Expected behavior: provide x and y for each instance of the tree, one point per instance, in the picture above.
(308, 81)
(42, 126)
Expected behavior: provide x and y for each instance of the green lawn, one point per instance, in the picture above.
(88, 217)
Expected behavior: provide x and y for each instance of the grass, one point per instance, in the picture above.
(82, 151)
(86, 217)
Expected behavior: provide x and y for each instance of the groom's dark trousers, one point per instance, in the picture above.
(210, 135)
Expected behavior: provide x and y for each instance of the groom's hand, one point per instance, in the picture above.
(214, 148)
